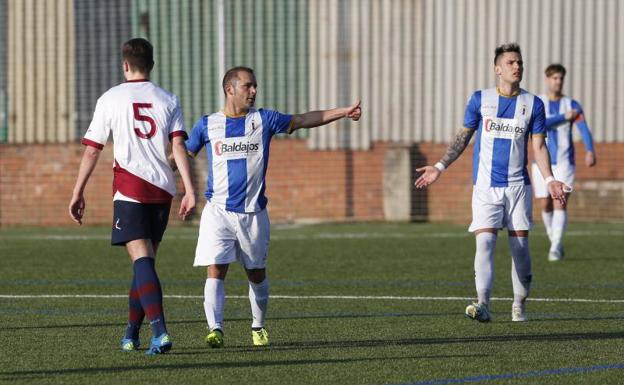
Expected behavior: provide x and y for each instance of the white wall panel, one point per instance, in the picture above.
(416, 62)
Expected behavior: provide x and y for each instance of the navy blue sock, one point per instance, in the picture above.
(135, 312)
(150, 294)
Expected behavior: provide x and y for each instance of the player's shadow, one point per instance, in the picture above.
(213, 364)
(200, 320)
(558, 319)
(551, 337)
(419, 210)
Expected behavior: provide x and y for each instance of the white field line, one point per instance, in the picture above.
(303, 297)
(279, 237)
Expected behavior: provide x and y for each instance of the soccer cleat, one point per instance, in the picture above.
(160, 345)
(215, 338)
(129, 344)
(260, 337)
(478, 312)
(555, 255)
(518, 314)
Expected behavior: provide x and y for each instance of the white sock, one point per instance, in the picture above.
(214, 302)
(547, 217)
(484, 266)
(521, 275)
(259, 300)
(559, 222)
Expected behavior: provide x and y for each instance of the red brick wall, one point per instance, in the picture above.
(36, 183)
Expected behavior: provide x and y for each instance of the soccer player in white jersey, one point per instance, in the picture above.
(144, 120)
(503, 118)
(234, 223)
(561, 112)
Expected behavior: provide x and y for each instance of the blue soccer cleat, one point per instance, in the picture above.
(160, 345)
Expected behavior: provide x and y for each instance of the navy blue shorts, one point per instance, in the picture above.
(138, 221)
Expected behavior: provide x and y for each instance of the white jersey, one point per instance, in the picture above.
(503, 125)
(143, 119)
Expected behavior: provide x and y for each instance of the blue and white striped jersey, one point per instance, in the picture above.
(559, 130)
(238, 156)
(503, 126)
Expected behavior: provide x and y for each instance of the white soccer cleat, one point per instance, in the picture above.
(518, 314)
(478, 312)
(555, 255)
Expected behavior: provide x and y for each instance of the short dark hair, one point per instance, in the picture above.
(232, 74)
(139, 53)
(507, 47)
(555, 68)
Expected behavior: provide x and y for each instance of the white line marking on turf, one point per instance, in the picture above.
(334, 297)
(313, 236)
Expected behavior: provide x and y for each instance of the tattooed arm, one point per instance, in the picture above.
(455, 149)
(431, 173)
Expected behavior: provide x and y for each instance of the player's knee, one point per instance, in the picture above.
(526, 279)
(485, 239)
(256, 275)
(217, 271)
(560, 206)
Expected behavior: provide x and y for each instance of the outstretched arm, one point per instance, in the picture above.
(320, 118)
(87, 165)
(454, 150)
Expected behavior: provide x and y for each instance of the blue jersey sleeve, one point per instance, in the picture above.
(277, 122)
(538, 118)
(198, 137)
(581, 125)
(554, 121)
(472, 116)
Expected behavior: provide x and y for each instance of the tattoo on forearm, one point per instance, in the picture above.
(455, 149)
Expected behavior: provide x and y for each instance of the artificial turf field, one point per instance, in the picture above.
(353, 304)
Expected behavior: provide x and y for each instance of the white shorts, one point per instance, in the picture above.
(227, 236)
(498, 207)
(562, 173)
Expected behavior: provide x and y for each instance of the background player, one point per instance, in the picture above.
(143, 119)
(561, 112)
(503, 118)
(234, 223)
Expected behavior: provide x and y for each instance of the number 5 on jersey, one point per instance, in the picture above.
(144, 118)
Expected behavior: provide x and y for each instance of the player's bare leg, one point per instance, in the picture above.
(140, 248)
